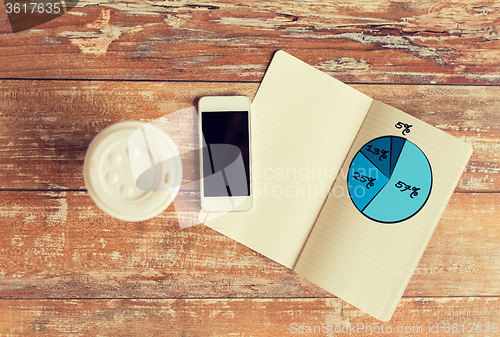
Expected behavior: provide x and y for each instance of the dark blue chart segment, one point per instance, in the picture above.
(403, 192)
(378, 151)
(396, 147)
(366, 181)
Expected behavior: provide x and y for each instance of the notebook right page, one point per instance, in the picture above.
(382, 210)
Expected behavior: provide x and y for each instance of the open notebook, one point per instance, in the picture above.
(347, 190)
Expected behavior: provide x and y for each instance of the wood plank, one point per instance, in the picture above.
(60, 245)
(379, 41)
(242, 317)
(49, 124)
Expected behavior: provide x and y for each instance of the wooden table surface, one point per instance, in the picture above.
(66, 268)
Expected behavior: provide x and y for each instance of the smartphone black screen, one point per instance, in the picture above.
(226, 158)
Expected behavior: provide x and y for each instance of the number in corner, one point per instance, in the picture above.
(33, 8)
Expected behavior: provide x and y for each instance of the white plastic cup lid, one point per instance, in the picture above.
(111, 164)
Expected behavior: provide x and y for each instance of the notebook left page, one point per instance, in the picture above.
(303, 124)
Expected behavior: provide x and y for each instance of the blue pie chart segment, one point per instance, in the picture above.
(378, 151)
(403, 193)
(396, 147)
(366, 181)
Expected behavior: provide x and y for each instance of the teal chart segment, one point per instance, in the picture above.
(390, 179)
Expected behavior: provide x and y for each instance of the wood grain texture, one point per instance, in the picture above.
(49, 124)
(377, 41)
(60, 245)
(239, 317)
(66, 268)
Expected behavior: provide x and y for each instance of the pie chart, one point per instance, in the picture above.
(390, 179)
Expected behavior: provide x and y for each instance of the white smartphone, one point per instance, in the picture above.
(225, 153)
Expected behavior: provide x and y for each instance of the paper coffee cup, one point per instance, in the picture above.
(111, 171)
